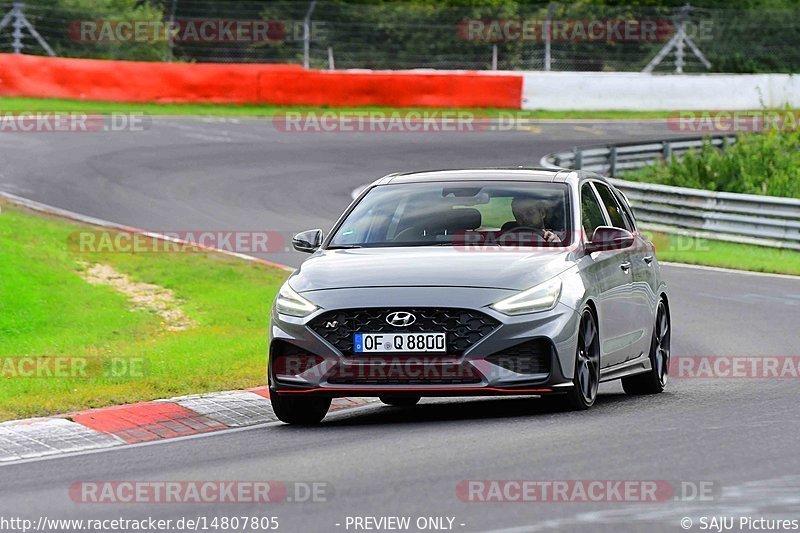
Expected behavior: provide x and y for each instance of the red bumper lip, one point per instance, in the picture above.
(421, 390)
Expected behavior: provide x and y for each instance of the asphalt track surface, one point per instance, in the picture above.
(225, 174)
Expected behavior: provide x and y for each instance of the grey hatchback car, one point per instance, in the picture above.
(494, 281)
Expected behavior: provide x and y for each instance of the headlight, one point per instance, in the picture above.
(289, 302)
(543, 297)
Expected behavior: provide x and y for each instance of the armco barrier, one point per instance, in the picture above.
(744, 218)
(610, 159)
(131, 81)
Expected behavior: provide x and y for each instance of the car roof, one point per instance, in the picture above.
(548, 175)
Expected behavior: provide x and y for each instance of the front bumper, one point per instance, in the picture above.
(486, 367)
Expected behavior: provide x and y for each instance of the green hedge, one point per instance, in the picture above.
(767, 163)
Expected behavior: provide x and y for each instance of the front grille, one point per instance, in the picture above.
(463, 327)
(289, 361)
(531, 357)
(356, 381)
(405, 371)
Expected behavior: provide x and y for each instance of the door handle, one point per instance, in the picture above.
(626, 266)
(648, 259)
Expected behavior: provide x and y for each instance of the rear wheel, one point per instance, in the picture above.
(654, 380)
(300, 410)
(587, 365)
(400, 401)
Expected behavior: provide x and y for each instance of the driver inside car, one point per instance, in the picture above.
(531, 214)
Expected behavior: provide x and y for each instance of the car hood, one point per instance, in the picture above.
(428, 266)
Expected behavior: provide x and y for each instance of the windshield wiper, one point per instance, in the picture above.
(343, 246)
(421, 244)
(389, 245)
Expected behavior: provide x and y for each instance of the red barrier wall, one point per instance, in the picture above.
(466, 89)
(130, 81)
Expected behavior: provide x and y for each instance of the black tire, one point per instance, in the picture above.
(586, 379)
(299, 410)
(400, 401)
(654, 380)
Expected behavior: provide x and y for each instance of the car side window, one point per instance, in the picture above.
(612, 207)
(626, 209)
(591, 212)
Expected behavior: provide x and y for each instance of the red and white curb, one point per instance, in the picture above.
(142, 422)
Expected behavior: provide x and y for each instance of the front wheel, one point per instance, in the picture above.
(654, 380)
(587, 365)
(302, 410)
(400, 401)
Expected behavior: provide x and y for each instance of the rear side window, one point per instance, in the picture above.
(626, 209)
(591, 213)
(612, 207)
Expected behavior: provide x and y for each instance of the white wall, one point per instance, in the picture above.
(636, 91)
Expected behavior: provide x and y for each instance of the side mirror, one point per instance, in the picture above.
(307, 241)
(608, 238)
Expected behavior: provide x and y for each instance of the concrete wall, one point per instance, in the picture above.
(635, 91)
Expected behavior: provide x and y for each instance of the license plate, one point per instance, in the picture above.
(399, 342)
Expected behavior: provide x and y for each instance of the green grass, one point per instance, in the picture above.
(678, 249)
(53, 105)
(19, 105)
(47, 310)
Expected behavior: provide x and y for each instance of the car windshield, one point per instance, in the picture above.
(446, 213)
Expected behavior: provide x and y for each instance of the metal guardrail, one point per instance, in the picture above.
(744, 218)
(610, 159)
